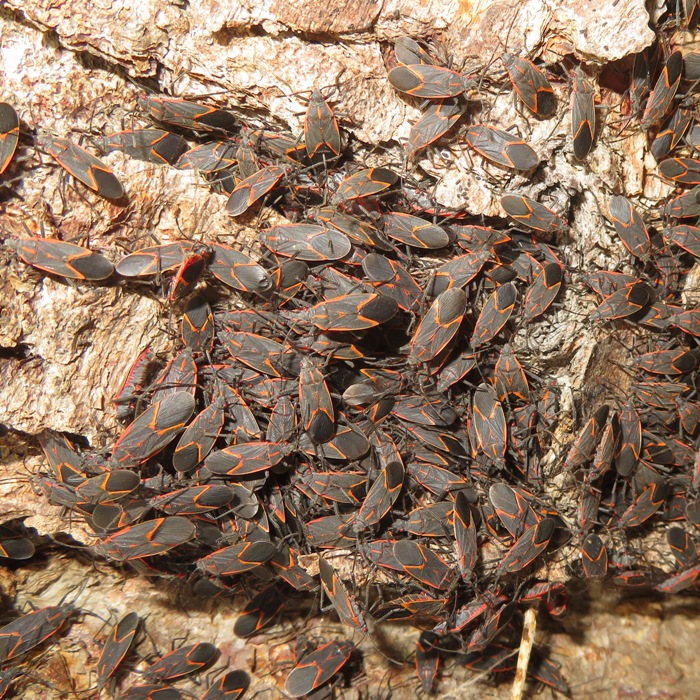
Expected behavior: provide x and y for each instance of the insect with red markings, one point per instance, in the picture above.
(624, 302)
(465, 536)
(83, 166)
(435, 122)
(147, 539)
(343, 603)
(489, 423)
(594, 557)
(501, 147)
(543, 291)
(427, 659)
(645, 505)
(439, 325)
(308, 242)
(585, 443)
(582, 114)
(671, 132)
(23, 634)
(188, 274)
(116, 647)
(321, 132)
(630, 227)
(428, 81)
(414, 231)
(63, 259)
(664, 91)
(250, 190)
(682, 546)
(9, 135)
(315, 403)
(153, 429)
(152, 145)
(494, 314)
(182, 662)
(317, 668)
(364, 184)
(423, 564)
(353, 312)
(381, 496)
(134, 383)
(190, 115)
(64, 460)
(528, 547)
(260, 611)
(238, 558)
(531, 85)
(198, 325)
(210, 157)
(228, 687)
(532, 215)
(512, 509)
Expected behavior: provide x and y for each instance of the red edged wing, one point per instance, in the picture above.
(650, 500)
(423, 80)
(680, 581)
(458, 272)
(594, 557)
(228, 687)
(582, 114)
(392, 280)
(155, 260)
(409, 52)
(685, 237)
(237, 270)
(528, 547)
(250, 190)
(684, 171)
(9, 134)
(190, 115)
(238, 558)
(683, 207)
(152, 145)
(491, 627)
(465, 536)
(199, 438)
(687, 321)
(107, 487)
(262, 354)
(494, 315)
(83, 166)
(630, 227)
(364, 184)
(134, 383)
(246, 458)
(26, 632)
(431, 520)
(285, 564)
(209, 157)
(147, 539)
(512, 509)
(414, 231)
(609, 445)
(317, 668)
(439, 325)
(64, 259)
(423, 564)
(343, 603)
(624, 302)
(489, 422)
(381, 496)
(427, 659)
(182, 662)
(532, 215)
(116, 647)
(308, 242)
(262, 609)
(682, 546)
(455, 370)
(531, 84)
(671, 132)
(353, 312)
(355, 229)
(315, 403)
(179, 375)
(153, 429)
(14, 546)
(331, 531)
(188, 274)
(510, 376)
(668, 362)
(321, 132)
(435, 122)
(664, 91)
(501, 147)
(198, 325)
(586, 441)
(543, 291)
(64, 460)
(192, 500)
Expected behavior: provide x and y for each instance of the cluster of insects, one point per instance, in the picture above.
(362, 395)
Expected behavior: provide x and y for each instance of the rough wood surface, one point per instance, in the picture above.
(67, 67)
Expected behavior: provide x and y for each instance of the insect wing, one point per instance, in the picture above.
(346, 607)
(317, 668)
(248, 191)
(528, 547)
(9, 135)
(64, 259)
(321, 132)
(532, 86)
(501, 147)
(116, 647)
(147, 539)
(439, 325)
(582, 115)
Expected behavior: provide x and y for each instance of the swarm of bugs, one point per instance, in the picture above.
(362, 392)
